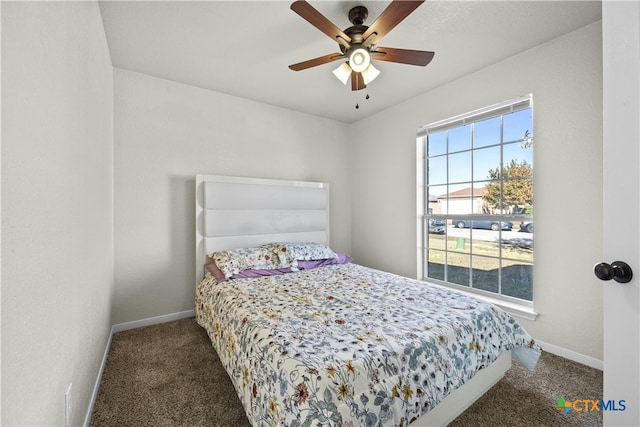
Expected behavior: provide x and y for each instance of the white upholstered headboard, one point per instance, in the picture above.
(239, 212)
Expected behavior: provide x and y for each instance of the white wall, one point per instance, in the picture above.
(166, 133)
(565, 77)
(57, 171)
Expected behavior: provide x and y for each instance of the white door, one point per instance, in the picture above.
(621, 165)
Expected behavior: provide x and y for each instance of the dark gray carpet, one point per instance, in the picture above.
(170, 375)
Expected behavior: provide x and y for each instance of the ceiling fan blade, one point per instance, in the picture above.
(390, 17)
(357, 81)
(316, 61)
(403, 56)
(318, 20)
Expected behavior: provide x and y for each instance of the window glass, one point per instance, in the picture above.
(460, 167)
(479, 201)
(437, 199)
(459, 139)
(485, 159)
(458, 268)
(485, 273)
(437, 143)
(517, 279)
(486, 132)
(517, 126)
(436, 264)
(516, 152)
(437, 170)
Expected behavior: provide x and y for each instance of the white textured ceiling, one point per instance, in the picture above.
(243, 48)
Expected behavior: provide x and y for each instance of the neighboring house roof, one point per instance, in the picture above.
(465, 193)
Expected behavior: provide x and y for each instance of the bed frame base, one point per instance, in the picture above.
(459, 400)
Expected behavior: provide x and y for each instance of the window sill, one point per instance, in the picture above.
(515, 309)
(522, 311)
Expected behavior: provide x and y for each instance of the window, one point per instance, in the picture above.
(477, 188)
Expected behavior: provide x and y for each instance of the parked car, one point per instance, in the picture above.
(437, 226)
(527, 227)
(481, 223)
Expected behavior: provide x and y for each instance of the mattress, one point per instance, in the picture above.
(348, 345)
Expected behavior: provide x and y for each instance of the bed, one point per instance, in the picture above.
(309, 337)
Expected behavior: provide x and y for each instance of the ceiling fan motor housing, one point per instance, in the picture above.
(358, 15)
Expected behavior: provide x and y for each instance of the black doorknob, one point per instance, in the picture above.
(618, 271)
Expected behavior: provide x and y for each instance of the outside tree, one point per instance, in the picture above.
(516, 179)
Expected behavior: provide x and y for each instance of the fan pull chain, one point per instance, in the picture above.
(357, 98)
(357, 102)
(366, 97)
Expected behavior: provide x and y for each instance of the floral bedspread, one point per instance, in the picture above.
(346, 345)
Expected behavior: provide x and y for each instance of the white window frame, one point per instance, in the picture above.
(518, 307)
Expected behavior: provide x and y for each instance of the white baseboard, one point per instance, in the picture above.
(153, 320)
(96, 386)
(572, 355)
(123, 327)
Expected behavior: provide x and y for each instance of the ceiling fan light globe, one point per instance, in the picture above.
(359, 59)
(370, 74)
(343, 72)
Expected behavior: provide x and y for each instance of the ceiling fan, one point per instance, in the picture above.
(359, 43)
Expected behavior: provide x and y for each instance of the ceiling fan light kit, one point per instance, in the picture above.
(359, 59)
(359, 43)
(343, 72)
(369, 74)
